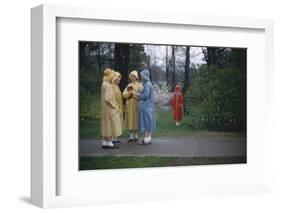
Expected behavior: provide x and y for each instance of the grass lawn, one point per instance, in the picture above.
(90, 129)
(115, 162)
(90, 122)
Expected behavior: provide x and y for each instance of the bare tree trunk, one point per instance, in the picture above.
(149, 58)
(211, 55)
(186, 70)
(122, 55)
(174, 68)
(149, 64)
(167, 66)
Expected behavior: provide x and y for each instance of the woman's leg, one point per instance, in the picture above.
(146, 138)
(135, 135)
(131, 136)
(109, 141)
(116, 140)
(149, 136)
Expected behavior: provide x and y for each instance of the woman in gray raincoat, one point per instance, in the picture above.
(147, 116)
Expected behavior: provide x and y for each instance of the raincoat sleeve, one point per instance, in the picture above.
(145, 93)
(140, 87)
(173, 101)
(136, 95)
(109, 97)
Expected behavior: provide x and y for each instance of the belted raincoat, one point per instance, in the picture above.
(131, 109)
(110, 117)
(147, 114)
(118, 96)
(177, 104)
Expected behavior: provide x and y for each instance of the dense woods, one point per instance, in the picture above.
(212, 79)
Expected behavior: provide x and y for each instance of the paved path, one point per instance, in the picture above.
(191, 146)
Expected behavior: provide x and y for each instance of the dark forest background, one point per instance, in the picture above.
(214, 85)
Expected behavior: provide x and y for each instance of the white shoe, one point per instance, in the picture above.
(146, 140)
(110, 144)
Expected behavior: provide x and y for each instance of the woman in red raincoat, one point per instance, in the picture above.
(177, 105)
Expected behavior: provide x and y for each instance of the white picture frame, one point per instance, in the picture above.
(44, 154)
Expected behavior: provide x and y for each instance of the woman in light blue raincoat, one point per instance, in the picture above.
(147, 116)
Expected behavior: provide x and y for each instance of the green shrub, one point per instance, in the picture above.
(90, 105)
(218, 95)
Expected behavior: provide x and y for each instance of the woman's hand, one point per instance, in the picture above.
(136, 95)
(130, 94)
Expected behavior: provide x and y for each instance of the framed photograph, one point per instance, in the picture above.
(193, 113)
(132, 106)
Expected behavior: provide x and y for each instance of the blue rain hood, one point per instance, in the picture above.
(145, 75)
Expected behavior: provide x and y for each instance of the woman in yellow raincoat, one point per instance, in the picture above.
(131, 115)
(110, 116)
(119, 98)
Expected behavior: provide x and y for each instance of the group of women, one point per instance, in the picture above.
(138, 113)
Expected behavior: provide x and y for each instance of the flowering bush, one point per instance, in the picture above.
(162, 95)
